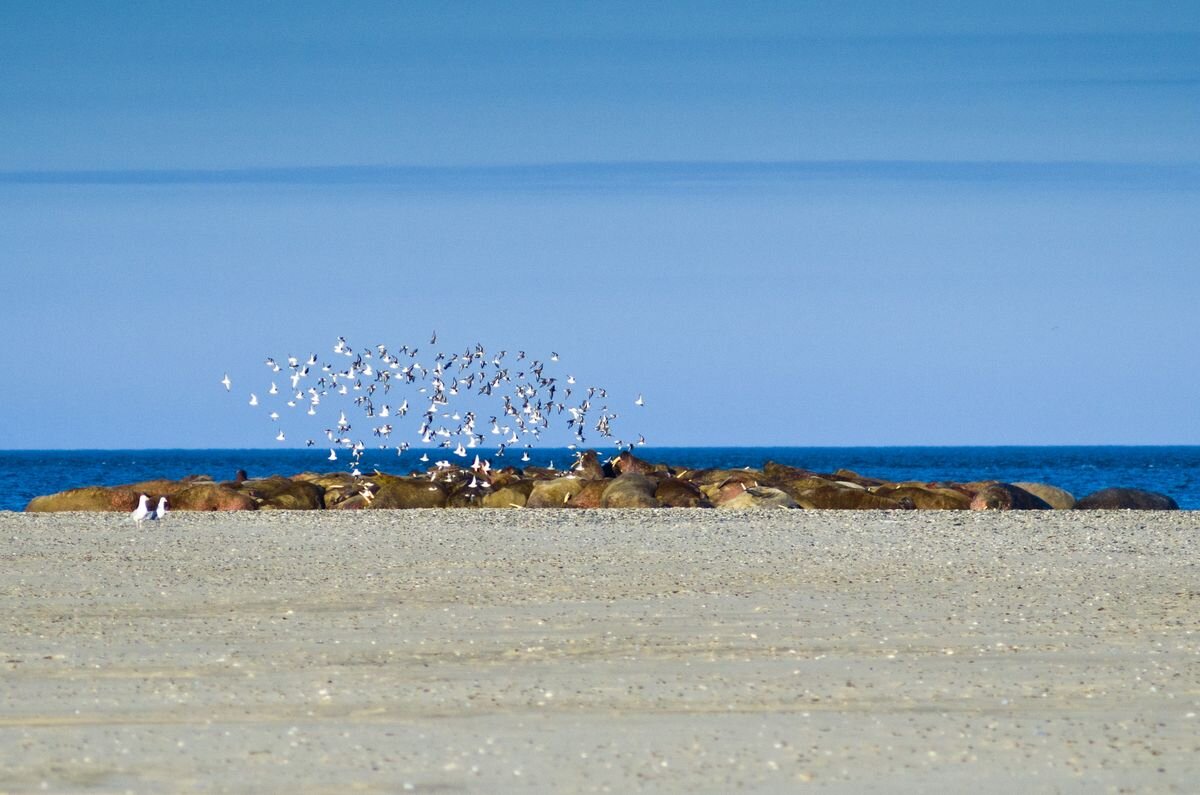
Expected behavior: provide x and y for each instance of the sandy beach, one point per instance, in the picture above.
(594, 651)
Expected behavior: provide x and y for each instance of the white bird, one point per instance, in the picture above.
(279, 438)
(332, 454)
(274, 390)
(161, 511)
(142, 511)
(640, 401)
(228, 384)
(253, 399)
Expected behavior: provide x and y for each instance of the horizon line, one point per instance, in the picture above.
(639, 174)
(648, 447)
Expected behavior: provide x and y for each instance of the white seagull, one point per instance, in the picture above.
(142, 511)
(161, 511)
(228, 384)
(253, 399)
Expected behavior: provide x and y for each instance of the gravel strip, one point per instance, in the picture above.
(671, 650)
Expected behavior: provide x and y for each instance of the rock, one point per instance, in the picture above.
(676, 493)
(836, 497)
(285, 494)
(408, 493)
(1126, 499)
(927, 497)
(553, 493)
(88, 498)
(1059, 499)
(1006, 497)
(514, 495)
(759, 497)
(212, 497)
(630, 490)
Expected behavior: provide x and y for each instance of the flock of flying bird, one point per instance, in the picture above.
(529, 399)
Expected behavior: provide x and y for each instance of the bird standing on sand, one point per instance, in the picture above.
(161, 511)
(142, 511)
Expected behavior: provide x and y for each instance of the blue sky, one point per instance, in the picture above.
(785, 223)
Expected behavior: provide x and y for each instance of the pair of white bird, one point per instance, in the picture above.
(143, 510)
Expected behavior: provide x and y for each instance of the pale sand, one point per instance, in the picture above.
(557, 651)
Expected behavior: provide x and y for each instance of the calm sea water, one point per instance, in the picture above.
(1175, 471)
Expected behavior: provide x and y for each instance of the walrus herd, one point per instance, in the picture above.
(625, 481)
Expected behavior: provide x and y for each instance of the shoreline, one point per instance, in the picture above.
(601, 650)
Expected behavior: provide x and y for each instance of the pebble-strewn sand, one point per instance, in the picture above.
(446, 651)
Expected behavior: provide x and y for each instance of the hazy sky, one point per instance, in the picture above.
(859, 223)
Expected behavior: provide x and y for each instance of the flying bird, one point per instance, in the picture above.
(456, 386)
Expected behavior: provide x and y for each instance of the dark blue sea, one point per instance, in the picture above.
(1174, 471)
